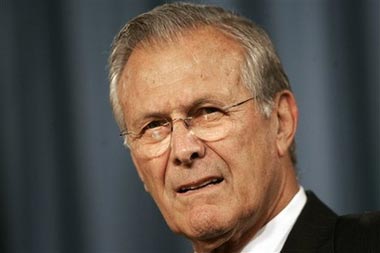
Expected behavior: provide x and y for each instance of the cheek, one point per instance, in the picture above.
(249, 148)
(251, 157)
(152, 173)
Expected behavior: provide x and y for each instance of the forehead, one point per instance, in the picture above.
(200, 63)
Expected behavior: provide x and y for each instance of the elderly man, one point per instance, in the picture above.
(206, 109)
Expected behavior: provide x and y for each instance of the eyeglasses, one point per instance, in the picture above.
(208, 123)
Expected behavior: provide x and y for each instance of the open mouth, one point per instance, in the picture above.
(200, 185)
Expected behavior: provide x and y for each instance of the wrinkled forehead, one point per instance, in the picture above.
(200, 62)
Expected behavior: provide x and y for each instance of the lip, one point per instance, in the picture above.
(198, 185)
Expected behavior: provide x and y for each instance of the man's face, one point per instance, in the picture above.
(202, 69)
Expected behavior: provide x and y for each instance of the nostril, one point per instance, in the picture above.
(194, 155)
(177, 162)
(188, 160)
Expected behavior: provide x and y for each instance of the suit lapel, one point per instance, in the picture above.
(313, 230)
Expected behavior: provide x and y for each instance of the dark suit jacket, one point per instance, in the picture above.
(318, 229)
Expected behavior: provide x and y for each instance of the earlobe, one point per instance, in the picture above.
(287, 118)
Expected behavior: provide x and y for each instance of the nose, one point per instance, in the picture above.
(185, 146)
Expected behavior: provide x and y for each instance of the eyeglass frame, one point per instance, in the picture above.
(125, 132)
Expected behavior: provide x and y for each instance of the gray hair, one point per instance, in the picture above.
(261, 72)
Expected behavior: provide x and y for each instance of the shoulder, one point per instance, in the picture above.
(358, 233)
(365, 221)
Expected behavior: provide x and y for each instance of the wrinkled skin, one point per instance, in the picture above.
(258, 179)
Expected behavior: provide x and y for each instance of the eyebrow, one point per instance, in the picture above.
(188, 108)
(140, 121)
(202, 101)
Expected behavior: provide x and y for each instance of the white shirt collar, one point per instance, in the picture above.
(271, 238)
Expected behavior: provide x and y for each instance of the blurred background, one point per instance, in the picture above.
(68, 185)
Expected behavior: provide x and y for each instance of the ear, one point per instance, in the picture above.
(140, 173)
(287, 118)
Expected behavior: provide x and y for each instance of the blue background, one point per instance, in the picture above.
(68, 185)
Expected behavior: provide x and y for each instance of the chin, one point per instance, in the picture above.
(208, 223)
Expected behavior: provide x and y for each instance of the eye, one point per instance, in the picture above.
(207, 110)
(154, 124)
(208, 114)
